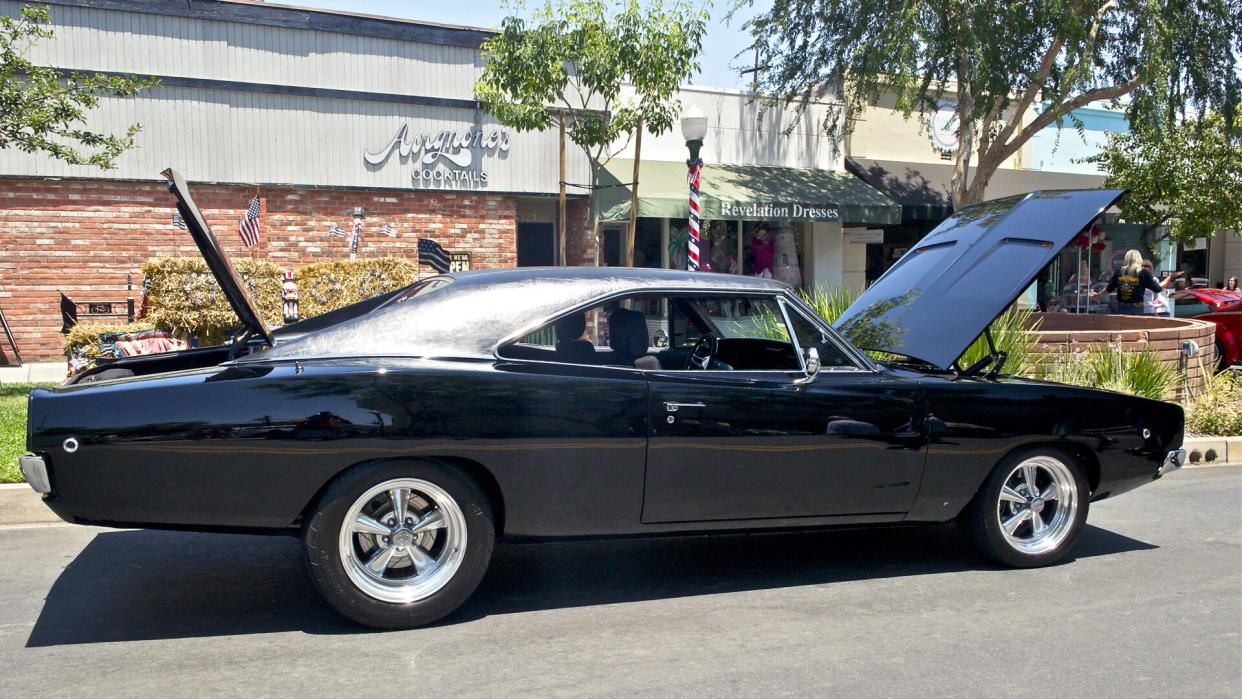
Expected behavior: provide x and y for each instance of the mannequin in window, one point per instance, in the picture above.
(761, 250)
(785, 266)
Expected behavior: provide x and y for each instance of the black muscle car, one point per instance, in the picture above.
(402, 436)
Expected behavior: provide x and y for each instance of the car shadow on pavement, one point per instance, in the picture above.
(147, 585)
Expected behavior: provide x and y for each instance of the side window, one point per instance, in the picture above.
(620, 332)
(660, 331)
(830, 355)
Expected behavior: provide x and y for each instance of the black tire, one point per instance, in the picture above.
(1221, 364)
(403, 594)
(1059, 478)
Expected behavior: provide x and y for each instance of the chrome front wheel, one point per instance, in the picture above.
(1031, 508)
(1036, 505)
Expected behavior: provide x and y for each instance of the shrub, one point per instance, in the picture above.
(1216, 410)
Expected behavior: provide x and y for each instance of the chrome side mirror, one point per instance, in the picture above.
(812, 367)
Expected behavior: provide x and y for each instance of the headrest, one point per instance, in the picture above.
(627, 333)
(570, 327)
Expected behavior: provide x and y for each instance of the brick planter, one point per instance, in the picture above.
(1063, 334)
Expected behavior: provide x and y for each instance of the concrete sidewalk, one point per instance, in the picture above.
(34, 372)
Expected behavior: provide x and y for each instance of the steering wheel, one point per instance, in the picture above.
(704, 352)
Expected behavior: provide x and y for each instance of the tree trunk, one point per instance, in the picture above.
(627, 253)
(560, 204)
(966, 132)
(593, 204)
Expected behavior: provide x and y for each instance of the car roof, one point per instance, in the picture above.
(478, 309)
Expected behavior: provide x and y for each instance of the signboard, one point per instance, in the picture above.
(778, 211)
(866, 235)
(942, 128)
(445, 158)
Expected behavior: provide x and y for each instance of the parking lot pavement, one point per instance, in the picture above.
(1148, 607)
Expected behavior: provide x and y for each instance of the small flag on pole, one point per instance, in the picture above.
(248, 227)
(178, 222)
(430, 253)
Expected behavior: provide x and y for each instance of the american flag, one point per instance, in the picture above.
(178, 222)
(430, 253)
(248, 227)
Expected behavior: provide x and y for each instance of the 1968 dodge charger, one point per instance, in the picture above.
(400, 437)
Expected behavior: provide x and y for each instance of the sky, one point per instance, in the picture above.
(722, 42)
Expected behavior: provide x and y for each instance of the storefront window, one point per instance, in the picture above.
(775, 250)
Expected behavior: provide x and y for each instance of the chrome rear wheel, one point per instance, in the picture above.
(403, 540)
(401, 543)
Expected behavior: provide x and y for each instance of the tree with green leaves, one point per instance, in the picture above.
(565, 68)
(43, 109)
(1187, 176)
(1010, 68)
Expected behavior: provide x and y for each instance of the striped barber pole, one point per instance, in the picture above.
(692, 258)
(355, 237)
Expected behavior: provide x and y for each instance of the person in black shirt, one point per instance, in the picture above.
(1129, 283)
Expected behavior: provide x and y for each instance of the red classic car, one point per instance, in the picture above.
(1221, 307)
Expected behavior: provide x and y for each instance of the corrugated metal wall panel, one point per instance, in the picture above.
(228, 136)
(132, 42)
(223, 136)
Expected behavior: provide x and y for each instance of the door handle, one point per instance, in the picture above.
(672, 406)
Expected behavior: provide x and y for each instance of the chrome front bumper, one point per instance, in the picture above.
(1172, 461)
(35, 471)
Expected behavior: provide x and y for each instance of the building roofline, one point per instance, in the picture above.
(294, 17)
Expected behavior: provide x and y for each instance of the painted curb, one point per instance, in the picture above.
(1206, 451)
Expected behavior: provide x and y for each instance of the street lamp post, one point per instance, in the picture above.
(693, 129)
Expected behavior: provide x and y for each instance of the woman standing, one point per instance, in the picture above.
(1157, 304)
(1129, 283)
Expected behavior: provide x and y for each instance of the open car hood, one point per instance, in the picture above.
(948, 288)
(216, 260)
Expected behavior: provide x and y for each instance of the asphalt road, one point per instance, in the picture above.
(1150, 606)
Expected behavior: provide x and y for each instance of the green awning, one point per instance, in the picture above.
(744, 193)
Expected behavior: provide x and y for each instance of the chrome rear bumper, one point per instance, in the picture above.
(1172, 461)
(35, 471)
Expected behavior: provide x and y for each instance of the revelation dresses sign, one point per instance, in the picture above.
(761, 211)
(443, 158)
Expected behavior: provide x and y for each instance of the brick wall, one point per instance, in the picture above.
(83, 238)
(1063, 334)
(580, 246)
